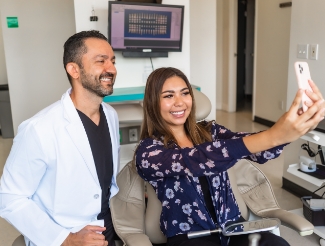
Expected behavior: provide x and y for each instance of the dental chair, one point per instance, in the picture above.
(256, 191)
(137, 222)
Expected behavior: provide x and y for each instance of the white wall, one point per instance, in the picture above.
(271, 58)
(307, 18)
(307, 28)
(220, 54)
(33, 53)
(226, 60)
(203, 38)
(3, 70)
(229, 49)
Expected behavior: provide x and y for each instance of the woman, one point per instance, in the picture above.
(186, 162)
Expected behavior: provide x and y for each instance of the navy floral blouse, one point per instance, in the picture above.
(173, 173)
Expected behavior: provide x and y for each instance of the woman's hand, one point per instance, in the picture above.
(290, 126)
(314, 95)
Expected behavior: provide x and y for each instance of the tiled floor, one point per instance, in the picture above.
(239, 121)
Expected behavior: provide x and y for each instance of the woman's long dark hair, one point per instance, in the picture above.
(153, 125)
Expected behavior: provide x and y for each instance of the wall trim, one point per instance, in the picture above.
(263, 121)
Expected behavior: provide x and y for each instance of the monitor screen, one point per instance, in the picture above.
(145, 27)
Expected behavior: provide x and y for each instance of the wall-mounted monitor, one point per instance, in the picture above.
(144, 29)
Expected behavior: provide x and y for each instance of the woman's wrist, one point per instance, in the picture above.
(261, 141)
(272, 135)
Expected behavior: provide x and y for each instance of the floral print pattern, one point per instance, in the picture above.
(173, 173)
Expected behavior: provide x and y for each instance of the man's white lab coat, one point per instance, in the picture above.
(49, 185)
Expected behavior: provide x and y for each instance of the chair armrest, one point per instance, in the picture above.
(294, 221)
(137, 239)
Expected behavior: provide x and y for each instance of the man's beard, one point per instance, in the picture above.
(93, 85)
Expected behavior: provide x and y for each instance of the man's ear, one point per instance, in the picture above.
(73, 69)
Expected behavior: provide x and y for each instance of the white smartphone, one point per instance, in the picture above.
(303, 75)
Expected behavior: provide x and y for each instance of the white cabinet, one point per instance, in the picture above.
(291, 159)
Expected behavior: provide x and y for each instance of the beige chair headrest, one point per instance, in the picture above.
(203, 105)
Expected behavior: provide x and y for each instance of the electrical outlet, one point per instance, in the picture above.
(133, 135)
(313, 55)
(129, 134)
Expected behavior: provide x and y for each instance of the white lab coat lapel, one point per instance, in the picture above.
(78, 134)
(110, 121)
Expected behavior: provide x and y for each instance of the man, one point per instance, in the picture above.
(61, 171)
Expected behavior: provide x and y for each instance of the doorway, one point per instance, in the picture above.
(245, 54)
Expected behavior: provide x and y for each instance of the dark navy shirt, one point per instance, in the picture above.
(173, 173)
(101, 148)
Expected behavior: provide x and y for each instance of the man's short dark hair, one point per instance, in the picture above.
(75, 48)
